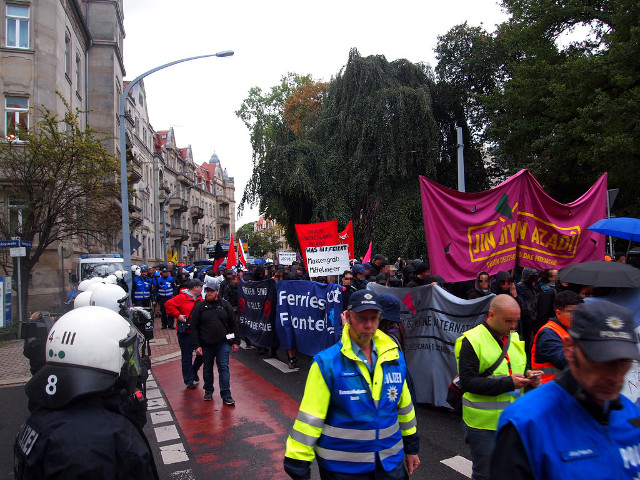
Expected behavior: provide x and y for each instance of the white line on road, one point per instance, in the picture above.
(459, 464)
(283, 367)
(173, 453)
(162, 416)
(166, 433)
(182, 475)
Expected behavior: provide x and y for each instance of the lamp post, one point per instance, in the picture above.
(124, 184)
(164, 204)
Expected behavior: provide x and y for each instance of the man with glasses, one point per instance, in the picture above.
(579, 425)
(356, 417)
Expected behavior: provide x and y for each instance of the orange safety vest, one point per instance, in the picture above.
(549, 371)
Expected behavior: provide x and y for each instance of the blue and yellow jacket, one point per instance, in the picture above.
(347, 418)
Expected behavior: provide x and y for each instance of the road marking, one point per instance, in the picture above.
(459, 464)
(174, 454)
(283, 367)
(153, 393)
(160, 417)
(154, 403)
(166, 433)
(182, 475)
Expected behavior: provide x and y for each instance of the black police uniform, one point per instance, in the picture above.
(77, 431)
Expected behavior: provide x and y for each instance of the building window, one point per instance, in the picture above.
(17, 26)
(67, 55)
(17, 116)
(78, 73)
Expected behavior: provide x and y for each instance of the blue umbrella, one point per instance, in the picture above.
(623, 227)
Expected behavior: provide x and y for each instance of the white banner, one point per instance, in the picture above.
(286, 258)
(330, 260)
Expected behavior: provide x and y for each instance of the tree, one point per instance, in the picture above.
(246, 229)
(59, 183)
(353, 150)
(565, 101)
(263, 243)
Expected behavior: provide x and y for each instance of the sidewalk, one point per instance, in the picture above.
(14, 368)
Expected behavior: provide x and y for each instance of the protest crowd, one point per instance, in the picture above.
(534, 360)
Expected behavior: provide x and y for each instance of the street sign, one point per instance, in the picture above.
(15, 243)
(133, 242)
(18, 252)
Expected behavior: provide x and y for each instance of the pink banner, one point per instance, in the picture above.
(516, 222)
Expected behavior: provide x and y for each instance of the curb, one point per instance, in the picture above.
(14, 382)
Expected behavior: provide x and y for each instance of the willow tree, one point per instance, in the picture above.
(356, 151)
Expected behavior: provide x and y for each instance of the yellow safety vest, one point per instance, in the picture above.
(482, 411)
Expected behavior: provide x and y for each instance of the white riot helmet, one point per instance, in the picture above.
(111, 279)
(94, 286)
(88, 350)
(109, 296)
(82, 300)
(83, 286)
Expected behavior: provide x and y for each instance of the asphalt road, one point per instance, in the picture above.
(246, 441)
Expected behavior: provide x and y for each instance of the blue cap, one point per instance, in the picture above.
(358, 269)
(364, 300)
(390, 308)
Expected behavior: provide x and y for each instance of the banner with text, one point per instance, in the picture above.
(286, 258)
(434, 319)
(256, 312)
(316, 235)
(307, 315)
(516, 222)
(329, 260)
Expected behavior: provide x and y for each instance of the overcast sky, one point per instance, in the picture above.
(199, 98)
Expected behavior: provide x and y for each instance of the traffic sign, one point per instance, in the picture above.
(18, 252)
(15, 243)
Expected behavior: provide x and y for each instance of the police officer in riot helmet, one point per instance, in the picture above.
(77, 428)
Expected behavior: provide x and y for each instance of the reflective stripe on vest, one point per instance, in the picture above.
(482, 411)
(550, 372)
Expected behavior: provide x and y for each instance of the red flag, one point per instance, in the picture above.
(316, 235)
(346, 237)
(218, 257)
(241, 258)
(408, 301)
(367, 257)
(231, 258)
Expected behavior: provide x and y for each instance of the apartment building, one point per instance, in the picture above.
(75, 47)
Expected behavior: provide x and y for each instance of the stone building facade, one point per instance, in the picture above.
(75, 47)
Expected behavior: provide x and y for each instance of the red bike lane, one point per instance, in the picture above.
(246, 441)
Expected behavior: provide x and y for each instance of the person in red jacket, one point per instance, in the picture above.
(180, 307)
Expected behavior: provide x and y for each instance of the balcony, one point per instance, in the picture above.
(178, 204)
(135, 220)
(223, 199)
(179, 233)
(164, 187)
(197, 238)
(197, 212)
(184, 179)
(224, 220)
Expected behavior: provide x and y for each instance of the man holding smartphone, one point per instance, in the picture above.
(578, 425)
(496, 347)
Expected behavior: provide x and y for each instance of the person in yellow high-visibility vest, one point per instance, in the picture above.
(486, 396)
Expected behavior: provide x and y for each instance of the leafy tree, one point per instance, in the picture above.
(246, 229)
(357, 150)
(59, 182)
(565, 108)
(262, 243)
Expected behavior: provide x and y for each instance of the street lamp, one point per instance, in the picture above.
(164, 204)
(124, 185)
